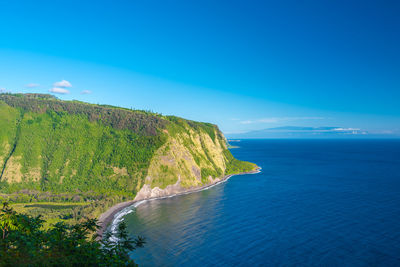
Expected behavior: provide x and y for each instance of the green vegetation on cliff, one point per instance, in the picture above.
(70, 151)
(59, 146)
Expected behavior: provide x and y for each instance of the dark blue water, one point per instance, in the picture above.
(316, 203)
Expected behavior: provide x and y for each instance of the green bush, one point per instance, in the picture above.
(23, 242)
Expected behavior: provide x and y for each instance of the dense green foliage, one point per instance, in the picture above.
(24, 242)
(63, 142)
(95, 156)
(59, 142)
(237, 166)
(142, 122)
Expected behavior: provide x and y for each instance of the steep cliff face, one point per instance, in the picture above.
(64, 146)
(190, 158)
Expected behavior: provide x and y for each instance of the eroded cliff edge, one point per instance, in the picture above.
(191, 158)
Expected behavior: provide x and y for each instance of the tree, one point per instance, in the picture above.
(8, 220)
(24, 242)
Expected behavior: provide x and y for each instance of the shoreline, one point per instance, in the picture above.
(106, 218)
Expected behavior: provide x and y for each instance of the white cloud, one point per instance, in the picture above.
(86, 92)
(58, 90)
(62, 84)
(279, 119)
(346, 129)
(2, 90)
(32, 85)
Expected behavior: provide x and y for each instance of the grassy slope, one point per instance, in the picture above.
(60, 151)
(101, 154)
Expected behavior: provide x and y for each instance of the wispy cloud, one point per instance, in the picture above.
(32, 85)
(86, 92)
(3, 90)
(58, 90)
(62, 84)
(60, 87)
(279, 119)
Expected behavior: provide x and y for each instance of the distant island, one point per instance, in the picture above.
(309, 132)
(71, 160)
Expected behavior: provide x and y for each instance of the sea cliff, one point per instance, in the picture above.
(79, 152)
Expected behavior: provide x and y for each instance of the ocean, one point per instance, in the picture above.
(315, 203)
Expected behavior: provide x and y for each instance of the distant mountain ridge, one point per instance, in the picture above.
(300, 128)
(301, 132)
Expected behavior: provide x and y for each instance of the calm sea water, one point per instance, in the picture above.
(316, 203)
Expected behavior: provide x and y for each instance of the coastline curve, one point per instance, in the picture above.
(114, 215)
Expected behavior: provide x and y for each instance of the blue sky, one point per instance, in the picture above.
(244, 65)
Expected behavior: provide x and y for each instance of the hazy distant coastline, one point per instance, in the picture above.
(297, 132)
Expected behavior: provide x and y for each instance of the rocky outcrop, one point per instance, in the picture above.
(147, 192)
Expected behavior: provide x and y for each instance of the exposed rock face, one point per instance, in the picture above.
(12, 172)
(213, 181)
(177, 166)
(186, 155)
(147, 192)
(181, 162)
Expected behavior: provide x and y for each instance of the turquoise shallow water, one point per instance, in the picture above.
(316, 203)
